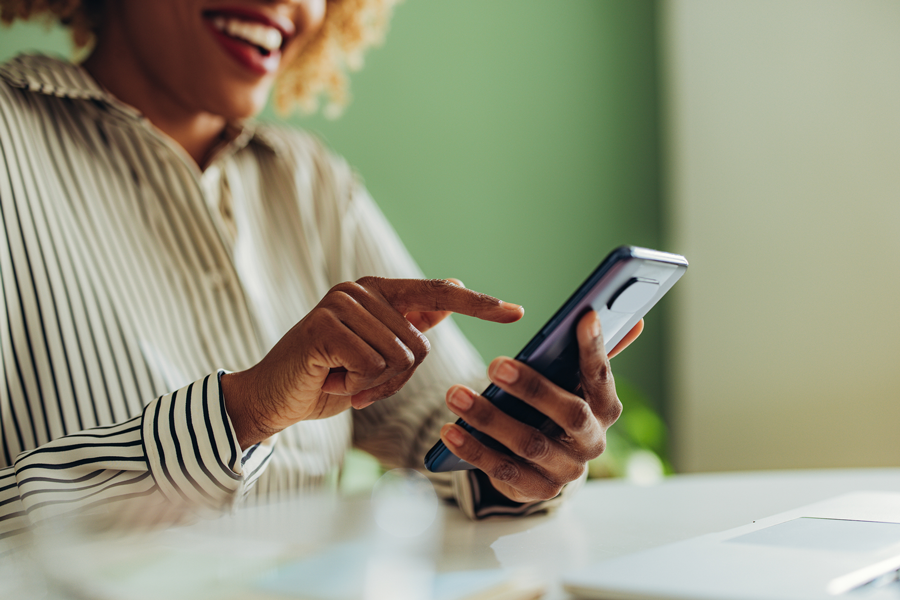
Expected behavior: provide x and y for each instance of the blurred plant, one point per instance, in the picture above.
(636, 445)
(360, 472)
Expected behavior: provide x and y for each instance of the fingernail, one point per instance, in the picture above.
(596, 329)
(506, 372)
(460, 399)
(453, 436)
(511, 306)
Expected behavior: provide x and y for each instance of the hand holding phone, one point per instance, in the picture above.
(534, 428)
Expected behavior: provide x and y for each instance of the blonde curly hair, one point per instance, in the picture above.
(350, 28)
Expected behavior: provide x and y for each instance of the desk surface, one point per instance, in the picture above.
(611, 518)
(604, 520)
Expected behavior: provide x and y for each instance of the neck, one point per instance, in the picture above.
(119, 71)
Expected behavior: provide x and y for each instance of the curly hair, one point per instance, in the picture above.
(350, 28)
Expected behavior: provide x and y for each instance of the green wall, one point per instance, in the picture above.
(512, 143)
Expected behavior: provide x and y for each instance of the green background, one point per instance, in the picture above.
(512, 144)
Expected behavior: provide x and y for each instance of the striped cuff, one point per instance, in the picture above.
(13, 518)
(468, 488)
(192, 450)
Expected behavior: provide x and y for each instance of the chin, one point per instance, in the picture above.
(236, 103)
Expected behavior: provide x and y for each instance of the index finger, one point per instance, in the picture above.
(407, 295)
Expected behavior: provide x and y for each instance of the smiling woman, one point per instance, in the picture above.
(201, 307)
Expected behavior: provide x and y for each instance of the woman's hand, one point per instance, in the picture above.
(543, 464)
(360, 344)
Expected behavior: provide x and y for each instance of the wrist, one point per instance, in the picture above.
(241, 399)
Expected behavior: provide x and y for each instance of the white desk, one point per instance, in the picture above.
(610, 518)
(606, 519)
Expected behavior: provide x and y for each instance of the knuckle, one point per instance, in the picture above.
(613, 411)
(405, 358)
(549, 491)
(579, 416)
(324, 316)
(598, 447)
(345, 287)
(574, 472)
(340, 287)
(505, 470)
(346, 299)
(436, 288)
(603, 373)
(375, 366)
(425, 348)
(437, 284)
(533, 387)
(474, 453)
(368, 282)
(341, 299)
(420, 347)
(482, 414)
(536, 447)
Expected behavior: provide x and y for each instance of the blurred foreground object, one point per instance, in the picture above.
(314, 547)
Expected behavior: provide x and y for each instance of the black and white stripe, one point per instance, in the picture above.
(121, 280)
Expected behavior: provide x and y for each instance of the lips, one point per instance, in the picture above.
(253, 38)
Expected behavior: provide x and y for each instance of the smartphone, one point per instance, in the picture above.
(622, 290)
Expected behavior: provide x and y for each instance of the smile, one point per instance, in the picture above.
(267, 39)
(252, 38)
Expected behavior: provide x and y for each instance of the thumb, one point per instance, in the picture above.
(596, 376)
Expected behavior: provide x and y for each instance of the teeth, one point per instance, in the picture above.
(257, 34)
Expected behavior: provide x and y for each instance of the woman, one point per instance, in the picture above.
(154, 237)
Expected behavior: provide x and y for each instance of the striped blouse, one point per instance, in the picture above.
(131, 280)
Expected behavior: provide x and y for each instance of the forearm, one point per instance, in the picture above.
(180, 453)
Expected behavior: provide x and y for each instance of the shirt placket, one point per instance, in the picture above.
(217, 275)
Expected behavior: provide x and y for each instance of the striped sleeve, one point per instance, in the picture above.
(181, 452)
(400, 430)
(192, 451)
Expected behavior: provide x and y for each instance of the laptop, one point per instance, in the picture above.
(848, 547)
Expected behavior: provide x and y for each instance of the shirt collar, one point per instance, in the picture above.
(58, 77)
(51, 76)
